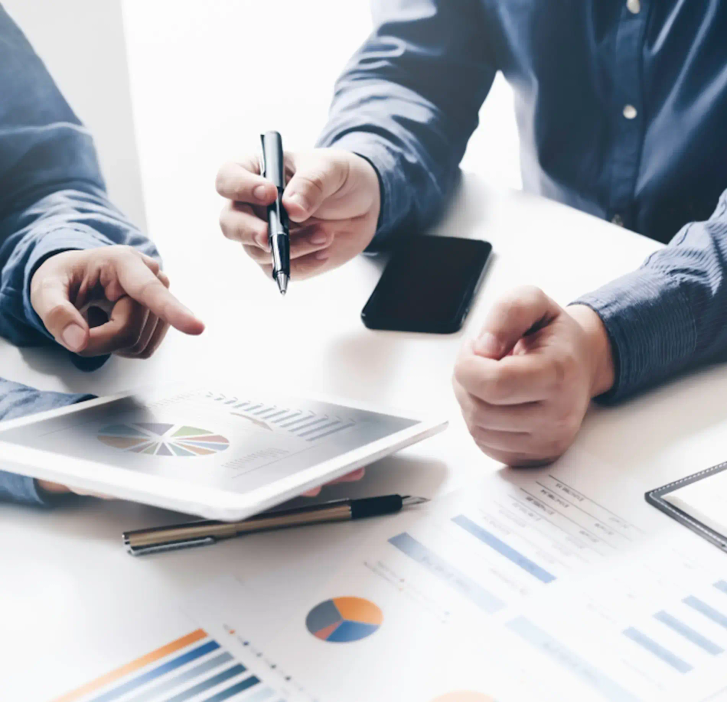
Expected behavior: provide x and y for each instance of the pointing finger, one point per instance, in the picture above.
(143, 286)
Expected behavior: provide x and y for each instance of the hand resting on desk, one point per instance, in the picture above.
(525, 383)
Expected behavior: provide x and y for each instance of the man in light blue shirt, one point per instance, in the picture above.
(64, 246)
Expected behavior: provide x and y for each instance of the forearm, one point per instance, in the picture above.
(408, 102)
(670, 315)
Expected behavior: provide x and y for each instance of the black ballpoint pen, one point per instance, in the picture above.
(206, 531)
(273, 168)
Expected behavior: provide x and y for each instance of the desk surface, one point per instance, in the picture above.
(65, 572)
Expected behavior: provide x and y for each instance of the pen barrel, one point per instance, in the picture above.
(280, 246)
(274, 159)
(221, 530)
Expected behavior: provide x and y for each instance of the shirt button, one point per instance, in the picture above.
(630, 112)
(617, 220)
(634, 6)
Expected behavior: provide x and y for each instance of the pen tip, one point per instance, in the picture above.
(411, 501)
(282, 280)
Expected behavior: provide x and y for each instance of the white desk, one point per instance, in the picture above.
(70, 593)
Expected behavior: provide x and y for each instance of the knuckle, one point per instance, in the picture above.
(462, 371)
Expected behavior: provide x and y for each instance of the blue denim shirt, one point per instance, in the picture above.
(622, 112)
(52, 199)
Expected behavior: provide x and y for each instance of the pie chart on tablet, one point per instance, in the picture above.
(344, 619)
(160, 439)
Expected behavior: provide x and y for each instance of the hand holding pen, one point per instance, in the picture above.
(332, 199)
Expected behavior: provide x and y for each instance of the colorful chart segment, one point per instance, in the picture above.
(160, 439)
(344, 619)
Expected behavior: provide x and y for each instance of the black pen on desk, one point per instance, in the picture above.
(206, 531)
(273, 168)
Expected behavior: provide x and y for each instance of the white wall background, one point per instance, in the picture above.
(82, 43)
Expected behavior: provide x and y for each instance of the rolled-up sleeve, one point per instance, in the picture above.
(671, 314)
(408, 102)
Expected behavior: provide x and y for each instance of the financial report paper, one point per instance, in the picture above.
(556, 584)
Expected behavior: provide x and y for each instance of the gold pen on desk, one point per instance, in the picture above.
(205, 531)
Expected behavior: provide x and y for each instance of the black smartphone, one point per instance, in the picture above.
(428, 285)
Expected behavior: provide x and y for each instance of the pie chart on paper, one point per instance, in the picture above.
(344, 619)
(160, 439)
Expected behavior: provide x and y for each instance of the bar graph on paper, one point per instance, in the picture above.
(303, 424)
(193, 668)
(514, 554)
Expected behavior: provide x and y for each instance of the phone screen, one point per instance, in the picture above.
(428, 285)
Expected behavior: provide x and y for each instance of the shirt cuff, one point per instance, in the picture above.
(650, 326)
(21, 489)
(379, 153)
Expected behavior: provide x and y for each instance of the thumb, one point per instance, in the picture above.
(60, 317)
(315, 180)
(511, 318)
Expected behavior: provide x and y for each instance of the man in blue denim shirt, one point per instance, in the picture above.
(622, 111)
(64, 246)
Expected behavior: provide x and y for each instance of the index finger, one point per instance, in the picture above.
(509, 381)
(242, 182)
(142, 285)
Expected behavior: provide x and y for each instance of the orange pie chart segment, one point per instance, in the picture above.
(356, 609)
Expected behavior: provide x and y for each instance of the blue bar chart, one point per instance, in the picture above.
(503, 549)
(446, 572)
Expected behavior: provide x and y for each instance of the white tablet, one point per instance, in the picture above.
(219, 456)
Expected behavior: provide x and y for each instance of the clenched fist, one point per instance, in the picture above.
(525, 383)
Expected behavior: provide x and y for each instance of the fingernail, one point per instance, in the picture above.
(259, 192)
(299, 200)
(318, 238)
(73, 337)
(322, 255)
(488, 345)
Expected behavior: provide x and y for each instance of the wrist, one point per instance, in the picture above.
(376, 186)
(600, 354)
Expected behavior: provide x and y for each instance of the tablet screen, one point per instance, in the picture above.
(221, 441)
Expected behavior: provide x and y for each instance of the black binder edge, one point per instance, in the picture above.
(655, 498)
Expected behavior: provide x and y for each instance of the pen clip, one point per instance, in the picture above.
(263, 164)
(170, 546)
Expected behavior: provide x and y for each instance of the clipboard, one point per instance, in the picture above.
(656, 498)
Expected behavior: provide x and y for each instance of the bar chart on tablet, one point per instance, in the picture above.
(302, 423)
